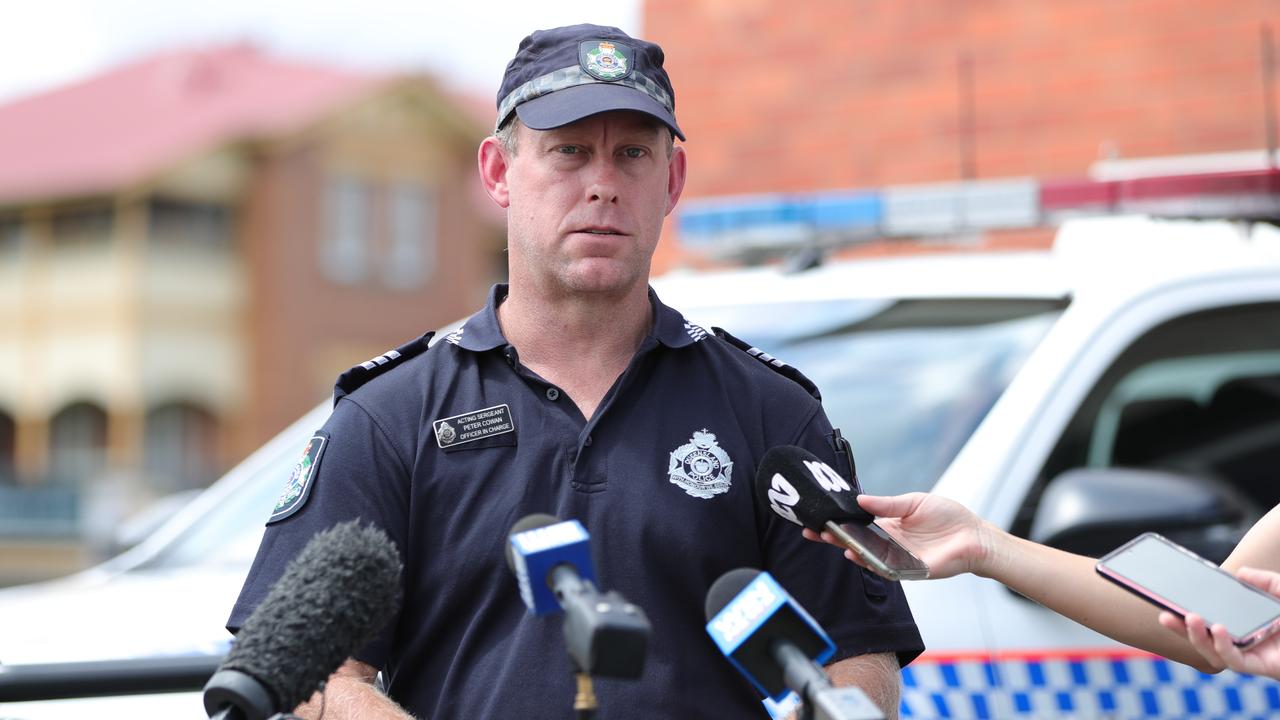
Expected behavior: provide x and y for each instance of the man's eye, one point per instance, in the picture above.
(568, 149)
(634, 152)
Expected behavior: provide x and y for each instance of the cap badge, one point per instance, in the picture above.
(701, 467)
(604, 60)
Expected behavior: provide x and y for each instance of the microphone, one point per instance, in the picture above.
(801, 488)
(330, 601)
(604, 634)
(778, 646)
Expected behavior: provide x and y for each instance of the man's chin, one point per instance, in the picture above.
(605, 279)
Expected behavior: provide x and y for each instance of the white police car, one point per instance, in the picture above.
(1060, 394)
(166, 599)
(1129, 380)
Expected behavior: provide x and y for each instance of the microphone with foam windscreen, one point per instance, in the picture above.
(778, 646)
(801, 488)
(604, 634)
(798, 486)
(330, 601)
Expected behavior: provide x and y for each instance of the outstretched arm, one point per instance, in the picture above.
(953, 540)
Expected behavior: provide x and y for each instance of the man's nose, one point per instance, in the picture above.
(603, 184)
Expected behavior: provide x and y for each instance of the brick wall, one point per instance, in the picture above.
(858, 93)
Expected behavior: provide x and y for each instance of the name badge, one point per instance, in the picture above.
(473, 426)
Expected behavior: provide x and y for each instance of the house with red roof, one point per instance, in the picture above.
(194, 245)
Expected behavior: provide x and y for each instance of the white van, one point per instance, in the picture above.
(1127, 380)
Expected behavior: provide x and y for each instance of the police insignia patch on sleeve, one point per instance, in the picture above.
(298, 487)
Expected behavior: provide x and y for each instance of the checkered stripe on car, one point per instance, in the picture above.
(1079, 685)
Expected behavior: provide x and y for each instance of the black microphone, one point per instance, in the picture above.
(799, 487)
(330, 601)
(604, 634)
(777, 645)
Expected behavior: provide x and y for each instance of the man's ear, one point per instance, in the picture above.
(492, 161)
(676, 169)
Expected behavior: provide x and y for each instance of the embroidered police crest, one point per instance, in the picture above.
(701, 467)
(298, 486)
(605, 60)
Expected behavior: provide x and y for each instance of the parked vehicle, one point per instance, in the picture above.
(1127, 380)
(169, 596)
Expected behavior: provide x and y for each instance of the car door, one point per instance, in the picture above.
(1181, 380)
(1169, 409)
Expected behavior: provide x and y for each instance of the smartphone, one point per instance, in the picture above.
(877, 548)
(1176, 579)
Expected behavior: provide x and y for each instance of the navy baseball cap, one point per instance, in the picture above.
(562, 75)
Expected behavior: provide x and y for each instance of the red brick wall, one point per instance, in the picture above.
(305, 329)
(821, 94)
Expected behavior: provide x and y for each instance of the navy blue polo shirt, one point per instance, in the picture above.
(447, 449)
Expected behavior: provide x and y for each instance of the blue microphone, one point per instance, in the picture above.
(778, 646)
(604, 634)
(539, 544)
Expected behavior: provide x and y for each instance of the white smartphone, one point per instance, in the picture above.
(1176, 579)
(884, 555)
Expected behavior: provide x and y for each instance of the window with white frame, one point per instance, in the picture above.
(345, 246)
(410, 257)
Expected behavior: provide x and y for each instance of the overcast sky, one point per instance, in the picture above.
(44, 43)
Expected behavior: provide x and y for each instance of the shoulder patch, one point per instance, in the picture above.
(771, 362)
(298, 487)
(373, 367)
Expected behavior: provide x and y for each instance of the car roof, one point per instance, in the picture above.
(1088, 255)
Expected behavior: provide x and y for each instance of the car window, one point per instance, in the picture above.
(229, 533)
(1199, 396)
(906, 381)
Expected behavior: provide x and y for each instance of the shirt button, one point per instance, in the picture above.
(553, 394)
(587, 442)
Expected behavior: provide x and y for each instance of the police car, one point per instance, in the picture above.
(1126, 380)
(165, 599)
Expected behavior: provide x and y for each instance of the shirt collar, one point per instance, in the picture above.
(481, 331)
(669, 326)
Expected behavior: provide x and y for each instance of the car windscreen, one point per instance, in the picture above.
(907, 381)
(228, 534)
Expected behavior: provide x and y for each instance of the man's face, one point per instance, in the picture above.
(585, 202)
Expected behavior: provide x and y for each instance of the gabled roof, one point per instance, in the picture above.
(128, 124)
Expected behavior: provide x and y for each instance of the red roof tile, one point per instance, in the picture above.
(133, 122)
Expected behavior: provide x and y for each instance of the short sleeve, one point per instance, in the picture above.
(359, 475)
(862, 612)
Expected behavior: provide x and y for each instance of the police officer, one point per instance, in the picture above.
(574, 392)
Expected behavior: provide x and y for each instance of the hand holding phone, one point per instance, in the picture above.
(878, 551)
(1176, 579)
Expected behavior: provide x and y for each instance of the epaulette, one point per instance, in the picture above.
(771, 362)
(372, 368)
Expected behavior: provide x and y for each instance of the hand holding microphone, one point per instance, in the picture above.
(802, 489)
(778, 646)
(330, 601)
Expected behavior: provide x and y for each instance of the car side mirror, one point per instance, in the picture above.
(1091, 511)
